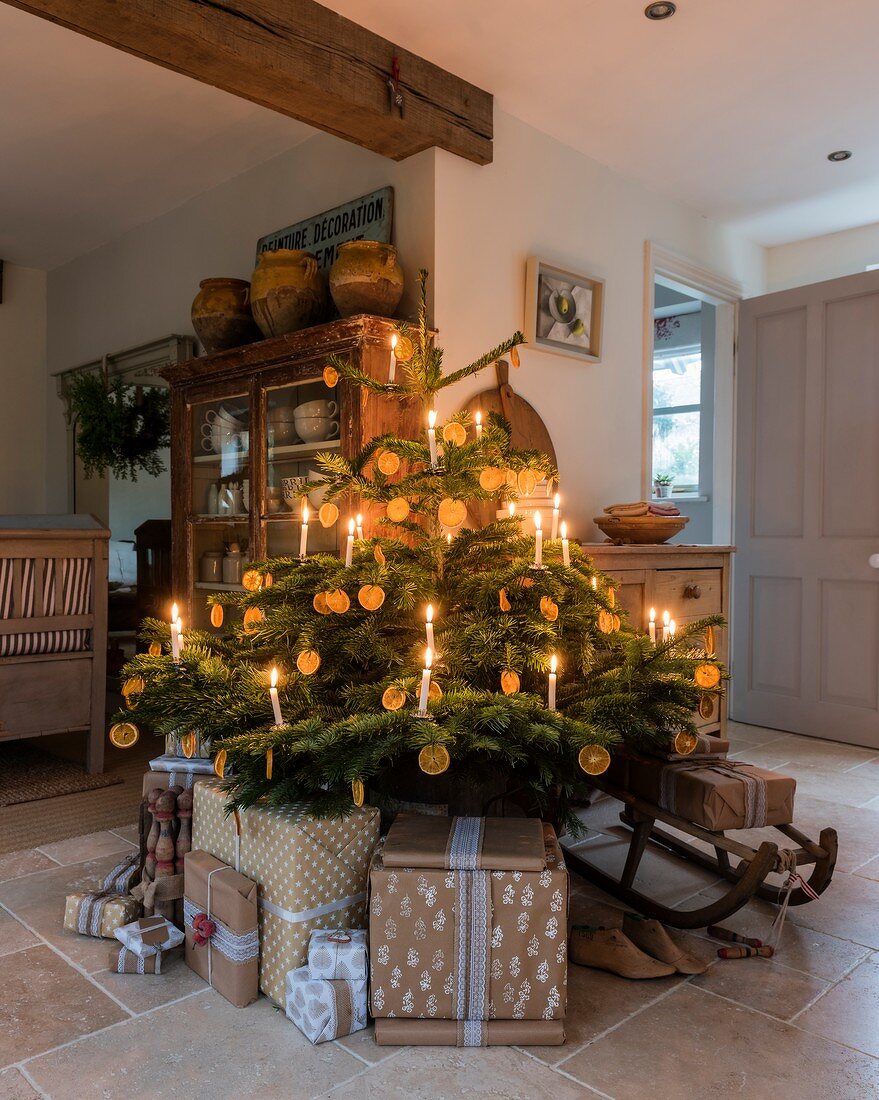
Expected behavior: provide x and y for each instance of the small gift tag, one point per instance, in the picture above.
(149, 935)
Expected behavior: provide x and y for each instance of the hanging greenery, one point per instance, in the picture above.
(120, 428)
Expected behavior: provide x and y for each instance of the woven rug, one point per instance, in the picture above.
(28, 774)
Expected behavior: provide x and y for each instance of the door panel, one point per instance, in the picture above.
(806, 602)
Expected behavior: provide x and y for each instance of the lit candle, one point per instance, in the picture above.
(349, 545)
(672, 629)
(666, 619)
(425, 682)
(594, 583)
(359, 526)
(448, 538)
(538, 541)
(553, 663)
(555, 516)
(392, 366)
(431, 436)
(651, 625)
(511, 508)
(478, 419)
(429, 625)
(176, 626)
(303, 536)
(273, 695)
(566, 550)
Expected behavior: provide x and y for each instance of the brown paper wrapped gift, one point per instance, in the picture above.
(229, 961)
(99, 914)
(450, 1033)
(708, 747)
(123, 961)
(719, 794)
(462, 943)
(311, 872)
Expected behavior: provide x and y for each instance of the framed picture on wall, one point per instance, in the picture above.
(563, 311)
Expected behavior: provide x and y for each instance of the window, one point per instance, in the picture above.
(677, 416)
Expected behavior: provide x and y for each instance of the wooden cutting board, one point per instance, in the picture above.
(529, 432)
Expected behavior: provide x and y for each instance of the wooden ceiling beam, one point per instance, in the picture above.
(296, 57)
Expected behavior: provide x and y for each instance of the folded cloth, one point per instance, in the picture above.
(663, 509)
(149, 935)
(100, 913)
(454, 1033)
(338, 953)
(639, 508)
(324, 1009)
(123, 961)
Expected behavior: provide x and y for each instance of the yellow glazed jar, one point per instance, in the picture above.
(287, 292)
(221, 314)
(366, 278)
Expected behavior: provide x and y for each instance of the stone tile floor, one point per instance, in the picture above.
(803, 1024)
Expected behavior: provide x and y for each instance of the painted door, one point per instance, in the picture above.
(806, 597)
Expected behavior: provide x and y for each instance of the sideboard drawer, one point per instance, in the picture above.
(31, 700)
(689, 593)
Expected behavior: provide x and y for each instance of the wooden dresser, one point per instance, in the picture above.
(689, 582)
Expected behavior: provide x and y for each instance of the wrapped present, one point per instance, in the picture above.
(123, 961)
(454, 1033)
(325, 1009)
(222, 938)
(716, 794)
(100, 913)
(307, 869)
(181, 771)
(149, 935)
(468, 923)
(338, 953)
(124, 875)
(708, 747)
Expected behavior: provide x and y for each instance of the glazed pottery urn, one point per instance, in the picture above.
(366, 278)
(221, 314)
(288, 292)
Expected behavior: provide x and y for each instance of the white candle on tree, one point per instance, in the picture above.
(666, 619)
(425, 682)
(672, 629)
(359, 526)
(511, 508)
(176, 626)
(555, 516)
(431, 437)
(273, 695)
(392, 365)
(303, 534)
(428, 622)
(349, 545)
(566, 549)
(553, 664)
(651, 625)
(478, 418)
(538, 541)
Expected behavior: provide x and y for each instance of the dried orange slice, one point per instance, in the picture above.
(320, 605)
(371, 596)
(338, 601)
(434, 759)
(393, 698)
(617, 622)
(308, 662)
(549, 609)
(268, 580)
(491, 478)
(514, 356)
(388, 462)
(251, 580)
(270, 762)
(123, 735)
(685, 742)
(510, 682)
(451, 513)
(605, 621)
(253, 616)
(512, 480)
(379, 555)
(707, 676)
(397, 509)
(454, 433)
(134, 686)
(331, 376)
(611, 597)
(327, 514)
(504, 600)
(155, 649)
(404, 350)
(217, 615)
(434, 692)
(357, 792)
(220, 764)
(527, 482)
(709, 642)
(593, 759)
(706, 707)
(188, 745)
(526, 582)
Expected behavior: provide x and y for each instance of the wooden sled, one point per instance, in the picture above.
(747, 878)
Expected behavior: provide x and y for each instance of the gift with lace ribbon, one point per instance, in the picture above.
(99, 913)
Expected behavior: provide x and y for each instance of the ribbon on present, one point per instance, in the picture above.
(90, 912)
(125, 959)
(237, 947)
(755, 786)
(118, 880)
(472, 931)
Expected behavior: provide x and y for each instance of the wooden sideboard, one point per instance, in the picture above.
(689, 582)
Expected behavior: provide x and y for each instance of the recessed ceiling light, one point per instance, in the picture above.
(839, 154)
(661, 10)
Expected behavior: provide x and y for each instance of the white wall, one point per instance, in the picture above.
(140, 287)
(23, 384)
(818, 258)
(541, 197)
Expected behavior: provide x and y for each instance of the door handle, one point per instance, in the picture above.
(692, 592)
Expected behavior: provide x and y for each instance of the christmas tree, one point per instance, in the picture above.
(526, 673)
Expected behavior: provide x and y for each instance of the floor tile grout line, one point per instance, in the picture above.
(22, 1069)
(556, 1068)
(855, 870)
(357, 1076)
(833, 985)
(77, 862)
(862, 764)
(57, 862)
(46, 870)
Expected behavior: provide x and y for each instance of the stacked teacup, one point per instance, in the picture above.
(314, 421)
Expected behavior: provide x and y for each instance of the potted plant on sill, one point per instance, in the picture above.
(662, 484)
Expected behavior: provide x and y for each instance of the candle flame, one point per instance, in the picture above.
(359, 520)
(595, 582)
(305, 511)
(564, 530)
(537, 521)
(557, 501)
(553, 663)
(672, 626)
(429, 613)
(350, 526)
(653, 614)
(511, 508)
(449, 537)
(428, 657)
(478, 416)
(394, 340)
(174, 613)
(666, 618)
(274, 678)
(431, 418)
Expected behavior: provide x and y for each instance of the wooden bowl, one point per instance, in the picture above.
(644, 530)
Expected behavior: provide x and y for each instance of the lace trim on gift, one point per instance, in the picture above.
(465, 843)
(237, 947)
(755, 787)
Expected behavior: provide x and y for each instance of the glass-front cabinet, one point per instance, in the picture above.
(247, 427)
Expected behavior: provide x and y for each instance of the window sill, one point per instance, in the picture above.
(692, 498)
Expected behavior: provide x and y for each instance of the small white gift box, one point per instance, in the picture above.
(149, 935)
(324, 1009)
(338, 953)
